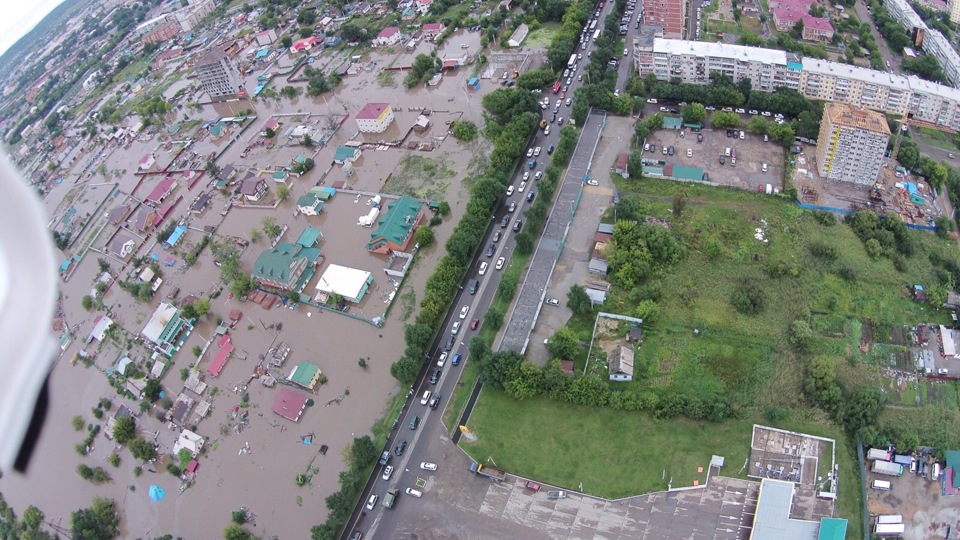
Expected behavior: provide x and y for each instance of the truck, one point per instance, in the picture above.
(887, 468)
(876, 453)
(596, 35)
(492, 473)
(889, 518)
(881, 485)
(572, 61)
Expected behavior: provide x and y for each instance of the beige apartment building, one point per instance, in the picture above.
(851, 144)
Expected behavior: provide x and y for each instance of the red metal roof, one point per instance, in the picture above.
(372, 111)
(220, 359)
(161, 189)
(163, 211)
(289, 404)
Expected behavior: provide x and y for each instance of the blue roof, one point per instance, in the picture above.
(177, 233)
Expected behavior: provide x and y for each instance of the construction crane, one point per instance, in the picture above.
(896, 142)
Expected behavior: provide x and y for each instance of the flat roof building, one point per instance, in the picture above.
(218, 76)
(772, 518)
(667, 14)
(851, 144)
(350, 283)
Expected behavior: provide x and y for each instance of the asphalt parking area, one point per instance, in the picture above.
(747, 173)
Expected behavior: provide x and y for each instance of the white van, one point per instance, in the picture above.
(763, 167)
(881, 485)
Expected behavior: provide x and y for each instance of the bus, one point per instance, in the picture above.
(596, 35)
(556, 87)
(572, 61)
(593, 25)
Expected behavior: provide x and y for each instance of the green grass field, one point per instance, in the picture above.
(566, 445)
(541, 36)
(701, 345)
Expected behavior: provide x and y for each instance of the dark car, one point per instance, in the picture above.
(503, 224)
(496, 236)
(434, 401)
(550, 149)
(723, 160)
(385, 457)
(530, 196)
(699, 137)
(491, 248)
(670, 151)
(456, 359)
(518, 225)
(401, 448)
(436, 376)
(512, 207)
(447, 345)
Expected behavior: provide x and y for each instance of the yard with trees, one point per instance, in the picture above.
(737, 331)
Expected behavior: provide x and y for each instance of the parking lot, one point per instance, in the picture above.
(926, 514)
(457, 504)
(751, 153)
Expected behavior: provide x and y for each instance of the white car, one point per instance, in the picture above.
(463, 312)
(765, 113)
(664, 109)
(509, 191)
(387, 472)
(456, 328)
(483, 269)
(427, 466)
(652, 100)
(523, 185)
(372, 502)
(552, 302)
(426, 397)
(526, 175)
(538, 176)
(689, 152)
(442, 360)
(741, 111)
(414, 493)
(559, 103)
(567, 102)
(593, 183)
(500, 262)
(530, 152)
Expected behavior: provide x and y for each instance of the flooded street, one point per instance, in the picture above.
(261, 478)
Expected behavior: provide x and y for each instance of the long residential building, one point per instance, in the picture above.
(931, 41)
(768, 69)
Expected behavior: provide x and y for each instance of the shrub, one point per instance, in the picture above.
(748, 298)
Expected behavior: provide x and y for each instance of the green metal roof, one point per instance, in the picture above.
(395, 224)
(344, 153)
(277, 264)
(832, 529)
(688, 173)
(309, 236)
(304, 374)
(672, 122)
(280, 175)
(310, 199)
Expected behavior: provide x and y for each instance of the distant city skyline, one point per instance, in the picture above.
(20, 17)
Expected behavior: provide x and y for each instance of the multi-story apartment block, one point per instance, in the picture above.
(695, 61)
(769, 69)
(191, 15)
(954, 6)
(218, 76)
(833, 81)
(667, 14)
(851, 144)
(929, 40)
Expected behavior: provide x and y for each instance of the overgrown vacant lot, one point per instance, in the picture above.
(791, 265)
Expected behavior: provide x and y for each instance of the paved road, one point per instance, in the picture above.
(431, 431)
(889, 58)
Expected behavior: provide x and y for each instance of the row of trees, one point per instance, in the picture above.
(361, 455)
(424, 66)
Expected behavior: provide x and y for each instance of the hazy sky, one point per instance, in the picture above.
(19, 17)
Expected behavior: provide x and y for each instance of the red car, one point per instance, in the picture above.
(563, 95)
(533, 486)
(474, 324)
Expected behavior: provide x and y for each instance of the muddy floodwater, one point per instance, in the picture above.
(255, 467)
